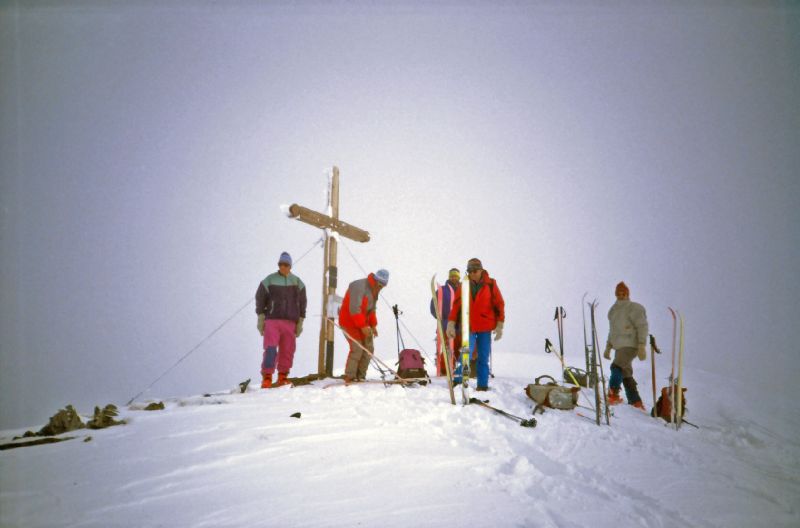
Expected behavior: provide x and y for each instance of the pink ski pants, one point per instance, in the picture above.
(279, 345)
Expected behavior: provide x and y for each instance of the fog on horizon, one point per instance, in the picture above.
(146, 152)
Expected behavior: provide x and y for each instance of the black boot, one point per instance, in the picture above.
(631, 392)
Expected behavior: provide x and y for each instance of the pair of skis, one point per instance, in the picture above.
(465, 353)
(676, 415)
(442, 339)
(595, 346)
(466, 298)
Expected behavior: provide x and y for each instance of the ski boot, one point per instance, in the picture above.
(266, 381)
(632, 393)
(282, 379)
(613, 396)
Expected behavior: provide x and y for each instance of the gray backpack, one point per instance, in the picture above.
(551, 394)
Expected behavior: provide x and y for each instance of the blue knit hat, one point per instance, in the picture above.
(285, 259)
(382, 276)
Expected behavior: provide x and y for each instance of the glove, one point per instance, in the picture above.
(374, 331)
(260, 325)
(298, 328)
(607, 353)
(451, 330)
(498, 331)
(641, 352)
(367, 331)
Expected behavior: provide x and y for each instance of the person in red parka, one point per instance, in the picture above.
(359, 322)
(487, 314)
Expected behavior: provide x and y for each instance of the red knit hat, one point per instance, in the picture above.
(622, 288)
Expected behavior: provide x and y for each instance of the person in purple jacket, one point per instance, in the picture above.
(281, 309)
(445, 295)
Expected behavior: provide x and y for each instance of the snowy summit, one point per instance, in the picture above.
(369, 455)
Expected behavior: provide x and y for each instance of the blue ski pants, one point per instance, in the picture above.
(482, 341)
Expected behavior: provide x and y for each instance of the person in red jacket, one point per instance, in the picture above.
(487, 314)
(359, 322)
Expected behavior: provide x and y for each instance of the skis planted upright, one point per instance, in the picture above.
(596, 345)
(465, 330)
(679, 419)
(671, 390)
(591, 360)
(590, 379)
(442, 339)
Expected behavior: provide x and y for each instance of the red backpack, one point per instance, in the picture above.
(663, 408)
(411, 364)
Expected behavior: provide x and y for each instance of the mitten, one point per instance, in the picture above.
(498, 331)
(298, 328)
(607, 353)
(260, 325)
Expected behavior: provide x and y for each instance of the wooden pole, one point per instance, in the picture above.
(333, 271)
(329, 223)
(323, 335)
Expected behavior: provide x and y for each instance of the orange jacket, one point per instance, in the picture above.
(358, 306)
(486, 308)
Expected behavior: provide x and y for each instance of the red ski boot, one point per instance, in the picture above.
(613, 397)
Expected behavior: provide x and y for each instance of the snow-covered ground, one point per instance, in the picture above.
(367, 455)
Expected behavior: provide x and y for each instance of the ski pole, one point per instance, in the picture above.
(559, 319)
(365, 349)
(397, 326)
(548, 347)
(679, 415)
(653, 351)
(522, 421)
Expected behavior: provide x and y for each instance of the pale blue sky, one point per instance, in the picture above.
(145, 152)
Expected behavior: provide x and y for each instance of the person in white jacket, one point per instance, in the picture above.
(627, 335)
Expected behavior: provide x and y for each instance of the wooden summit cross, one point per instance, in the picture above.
(328, 223)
